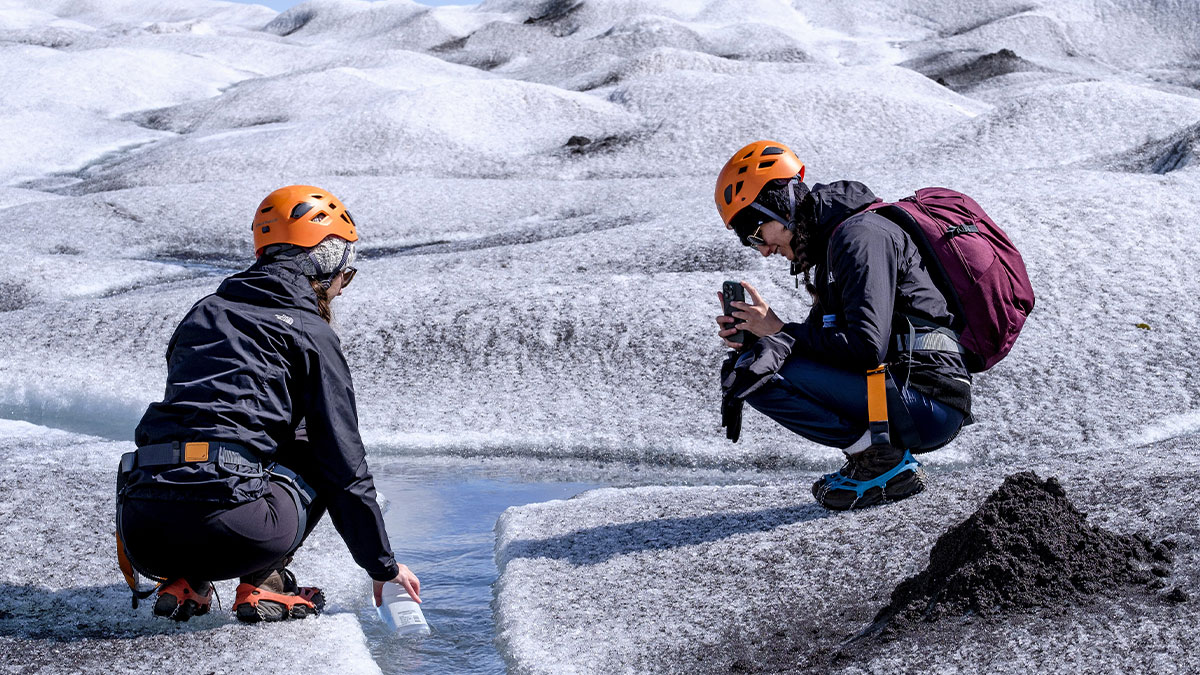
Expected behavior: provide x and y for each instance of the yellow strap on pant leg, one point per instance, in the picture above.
(125, 565)
(877, 394)
(878, 433)
(131, 575)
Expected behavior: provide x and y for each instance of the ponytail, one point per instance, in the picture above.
(323, 307)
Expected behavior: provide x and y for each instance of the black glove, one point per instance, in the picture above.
(744, 372)
(731, 406)
(731, 417)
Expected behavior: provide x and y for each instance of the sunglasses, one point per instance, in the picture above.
(750, 231)
(348, 275)
(757, 221)
(755, 238)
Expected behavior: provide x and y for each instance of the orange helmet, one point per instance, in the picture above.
(302, 215)
(750, 168)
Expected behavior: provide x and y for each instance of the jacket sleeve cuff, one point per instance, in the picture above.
(387, 574)
(793, 329)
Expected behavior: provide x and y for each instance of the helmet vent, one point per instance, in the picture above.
(300, 209)
(332, 206)
(728, 194)
(742, 170)
(317, 196)
(748, 155)
(343, 214)
(737, 189)
(766, 165)
(320, 218)
(267, 209)
(266, 229)
(772, 151)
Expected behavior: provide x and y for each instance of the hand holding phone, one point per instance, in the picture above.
(732, 291)
(753, 320)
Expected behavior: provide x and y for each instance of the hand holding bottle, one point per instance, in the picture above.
(405, 578)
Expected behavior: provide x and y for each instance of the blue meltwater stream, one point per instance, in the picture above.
(442, 526)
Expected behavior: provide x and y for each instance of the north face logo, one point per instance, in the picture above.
(285, 318)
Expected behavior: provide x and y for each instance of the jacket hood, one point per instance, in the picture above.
(271, 282)
(827, 205)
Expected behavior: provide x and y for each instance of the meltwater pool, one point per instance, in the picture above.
(441, 525)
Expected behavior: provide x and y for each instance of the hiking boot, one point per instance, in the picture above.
(180, 600)
(274, 596)
(870, 477)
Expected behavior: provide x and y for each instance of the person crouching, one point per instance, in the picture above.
(869, 285)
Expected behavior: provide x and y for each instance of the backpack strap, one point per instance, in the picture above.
(935, 338)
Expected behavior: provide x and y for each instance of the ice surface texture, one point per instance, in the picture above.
(540, 253)
(533, 203)
(761, 579)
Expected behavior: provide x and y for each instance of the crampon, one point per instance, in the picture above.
(276, 598)
(869, 479)
(180, 601)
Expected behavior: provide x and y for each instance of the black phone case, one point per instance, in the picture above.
(731, 291)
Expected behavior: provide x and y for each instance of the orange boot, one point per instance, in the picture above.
(275, 596)
(180, 600)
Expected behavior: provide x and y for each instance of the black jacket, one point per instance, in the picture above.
(248, 365)
(869, 278)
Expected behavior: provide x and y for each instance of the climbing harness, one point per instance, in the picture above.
(231, 459)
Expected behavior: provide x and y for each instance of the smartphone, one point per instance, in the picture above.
(732, 291)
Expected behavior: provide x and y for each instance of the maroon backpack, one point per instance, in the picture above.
(973, 263)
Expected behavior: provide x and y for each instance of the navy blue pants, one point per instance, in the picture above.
(829, 406)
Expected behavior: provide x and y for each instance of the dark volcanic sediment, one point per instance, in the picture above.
(961, 72)
(1026, 547)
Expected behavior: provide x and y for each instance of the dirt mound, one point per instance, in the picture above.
(962, 71)
(1163, 155)
(1026, 547)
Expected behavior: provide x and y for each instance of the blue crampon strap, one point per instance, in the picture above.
(836, 481)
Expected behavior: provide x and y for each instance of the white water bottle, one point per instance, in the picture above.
(400, 613)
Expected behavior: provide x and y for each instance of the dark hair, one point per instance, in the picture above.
(808, 284)
(323, 307)
(774, 196)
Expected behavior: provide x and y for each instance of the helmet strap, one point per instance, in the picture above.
(771, 214)
(791, 192)
(327, 280)
(790, 221)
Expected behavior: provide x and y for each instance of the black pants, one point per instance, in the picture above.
(201, 542)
